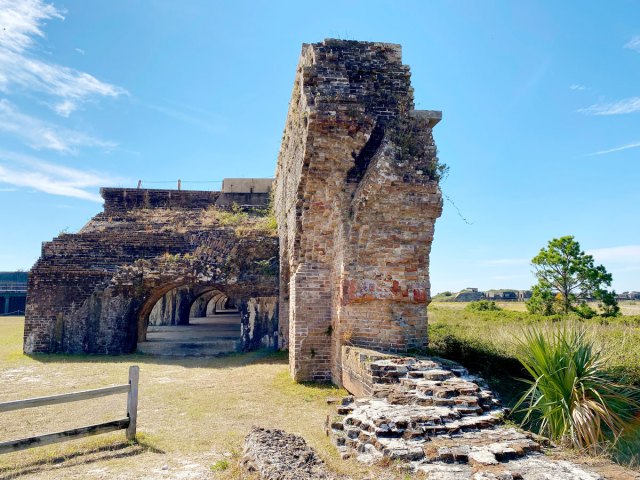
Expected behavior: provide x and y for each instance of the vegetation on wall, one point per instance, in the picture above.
(415, 146)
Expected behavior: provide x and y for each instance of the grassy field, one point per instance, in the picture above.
(193, 413)
(627, 307)
(486, 342)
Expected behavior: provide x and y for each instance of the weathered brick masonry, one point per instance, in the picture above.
(356, 198)
(93, 291)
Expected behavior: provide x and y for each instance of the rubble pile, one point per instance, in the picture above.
(437, 419)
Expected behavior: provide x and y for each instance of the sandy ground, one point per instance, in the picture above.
(193, 413)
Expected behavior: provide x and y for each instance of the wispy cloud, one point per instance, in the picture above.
(21, 23)
(627, 254)
(28, 172)
(502, 262)
(628, 105)
(577, 86)
(79, 50)
(197, 117)
(616, 149)
(634, 43)
(39, 134)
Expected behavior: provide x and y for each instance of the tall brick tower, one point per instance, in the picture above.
(356, 198)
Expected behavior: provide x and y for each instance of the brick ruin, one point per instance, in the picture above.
(356, 199)
(343, 283)
(94, 291)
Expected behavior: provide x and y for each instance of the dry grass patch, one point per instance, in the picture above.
(193, 413)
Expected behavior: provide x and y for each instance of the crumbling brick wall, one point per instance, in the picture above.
(356, 198)
(93, 291)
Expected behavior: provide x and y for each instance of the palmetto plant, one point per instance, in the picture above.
(572, 399)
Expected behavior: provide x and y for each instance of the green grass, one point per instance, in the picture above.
(487, 342)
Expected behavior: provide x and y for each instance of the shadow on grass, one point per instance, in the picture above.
(263, 356)
(81, 457)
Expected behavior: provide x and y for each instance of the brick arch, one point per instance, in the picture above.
(92, 291)
(194, 291)
(204, 298)
(222, 303)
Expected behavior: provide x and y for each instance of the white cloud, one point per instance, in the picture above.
(23, 171)
(21, 22)
(577, 86)
(626, 254)
(65, 108)
(42, 135)
(79, 50)
(634, 44)
(628, 105)
(616, 149)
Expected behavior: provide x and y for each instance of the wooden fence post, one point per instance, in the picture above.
(132, 401)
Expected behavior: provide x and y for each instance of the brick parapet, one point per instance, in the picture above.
(119, 200)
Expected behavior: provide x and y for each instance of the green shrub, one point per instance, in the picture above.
(608, 303)
(584, 311)
(483, 306)
(237, 216)
(220, 466)
(542, 301)
(573, 399)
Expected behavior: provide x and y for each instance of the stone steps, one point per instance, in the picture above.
(204, 336)
(189, 348)
(193, 336)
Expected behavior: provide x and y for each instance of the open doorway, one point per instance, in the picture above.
(185, 323)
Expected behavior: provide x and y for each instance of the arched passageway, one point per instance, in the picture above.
(184, 322)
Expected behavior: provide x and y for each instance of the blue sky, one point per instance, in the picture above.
(541, 106)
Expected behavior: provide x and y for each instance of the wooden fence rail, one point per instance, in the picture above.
(128, 423)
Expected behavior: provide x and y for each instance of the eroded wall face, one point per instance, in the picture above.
(356, 200)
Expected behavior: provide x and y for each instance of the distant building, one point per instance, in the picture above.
(13, 292)
(502, 295)
(468, 295)
(472, 294)
(524, 295)
(628, 296)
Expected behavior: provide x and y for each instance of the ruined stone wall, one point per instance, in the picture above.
(356, 199)
(93, 291)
